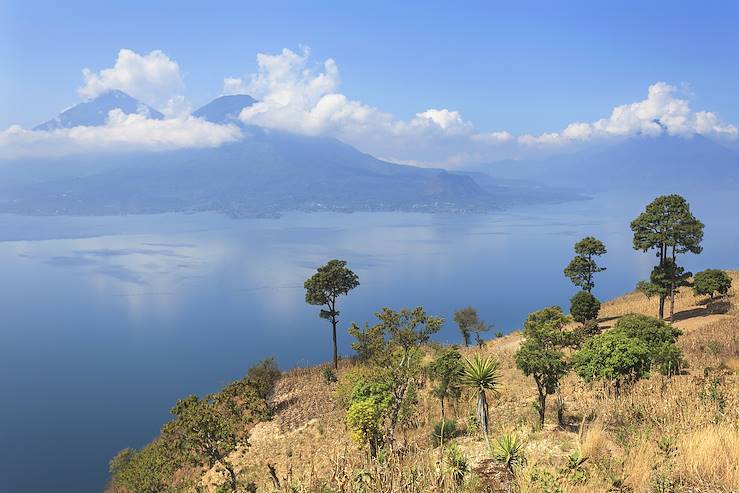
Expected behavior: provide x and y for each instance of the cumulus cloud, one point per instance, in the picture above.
(233, 85)
(121, 132)
(299, 96)
(662, 112)
(154, 79)
(295, 95)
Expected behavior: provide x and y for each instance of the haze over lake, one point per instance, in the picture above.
(162, 306)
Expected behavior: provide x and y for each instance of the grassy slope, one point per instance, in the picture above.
(308, 444)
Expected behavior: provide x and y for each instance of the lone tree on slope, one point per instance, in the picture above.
(468, 322)
(323, 288)
(541, 355)
(581, 268)
(711, 282)
(668, 227)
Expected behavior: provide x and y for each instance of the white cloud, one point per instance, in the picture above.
(663, 111)
(299, 96)
(154, 78)
(296, 94)
(121, 132)
(233, 85)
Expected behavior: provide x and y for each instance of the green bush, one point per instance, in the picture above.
(584, 306)
(711, 282)
(364, 418)
(450, 431)
(628, 352)
(263, 376)
(329, 376)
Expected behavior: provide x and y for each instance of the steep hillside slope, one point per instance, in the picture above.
(307, 444)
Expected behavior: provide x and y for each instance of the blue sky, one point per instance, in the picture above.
(532, 67)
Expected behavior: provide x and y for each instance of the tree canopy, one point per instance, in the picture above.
(584, 306)
(668, 227)
(711, 282)
(583, 266)
(468, 323)
(628, 352)
(541, 354)
(392, 348)
(324, 287)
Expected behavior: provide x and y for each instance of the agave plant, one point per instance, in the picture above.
(508, 450)
(483, 375)
(457, 464)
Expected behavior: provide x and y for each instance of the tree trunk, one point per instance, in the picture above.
(482, 414)
(560, 407)
(661, 307)
(334, 322)
(441, 432)
(232, 481)
(399, 395)
(662, 256)
(542, 400)
(672, 301)
(542, 408)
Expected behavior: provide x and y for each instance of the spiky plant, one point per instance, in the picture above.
(457, 464)
(483, 375)
(508, 450)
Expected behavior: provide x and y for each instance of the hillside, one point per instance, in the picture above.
(678, 434)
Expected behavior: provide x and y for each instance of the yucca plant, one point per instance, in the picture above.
(508, 450)
(483, 375)
(457, 464)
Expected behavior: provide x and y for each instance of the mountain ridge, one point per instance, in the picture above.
(662, 162)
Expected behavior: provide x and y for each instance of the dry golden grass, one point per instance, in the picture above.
(709, 457)
(663, 435)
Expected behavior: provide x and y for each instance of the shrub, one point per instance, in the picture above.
(612, 356)
(364, 419)
(263, 376)
(329, 376)
(450, 430)
(627, 353)
(152, 468)
(457, 464)
(584, 306)
(366, 413)
(659, 338)
(574, 469)
(711, 282)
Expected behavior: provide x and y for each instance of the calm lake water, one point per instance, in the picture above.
(105, 322)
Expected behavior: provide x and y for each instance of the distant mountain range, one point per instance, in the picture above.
(265, 173)
(663, 164)
(269, 172)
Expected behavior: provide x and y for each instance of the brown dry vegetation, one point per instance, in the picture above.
(678, 434)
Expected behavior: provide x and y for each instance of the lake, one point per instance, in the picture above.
(107, 321)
